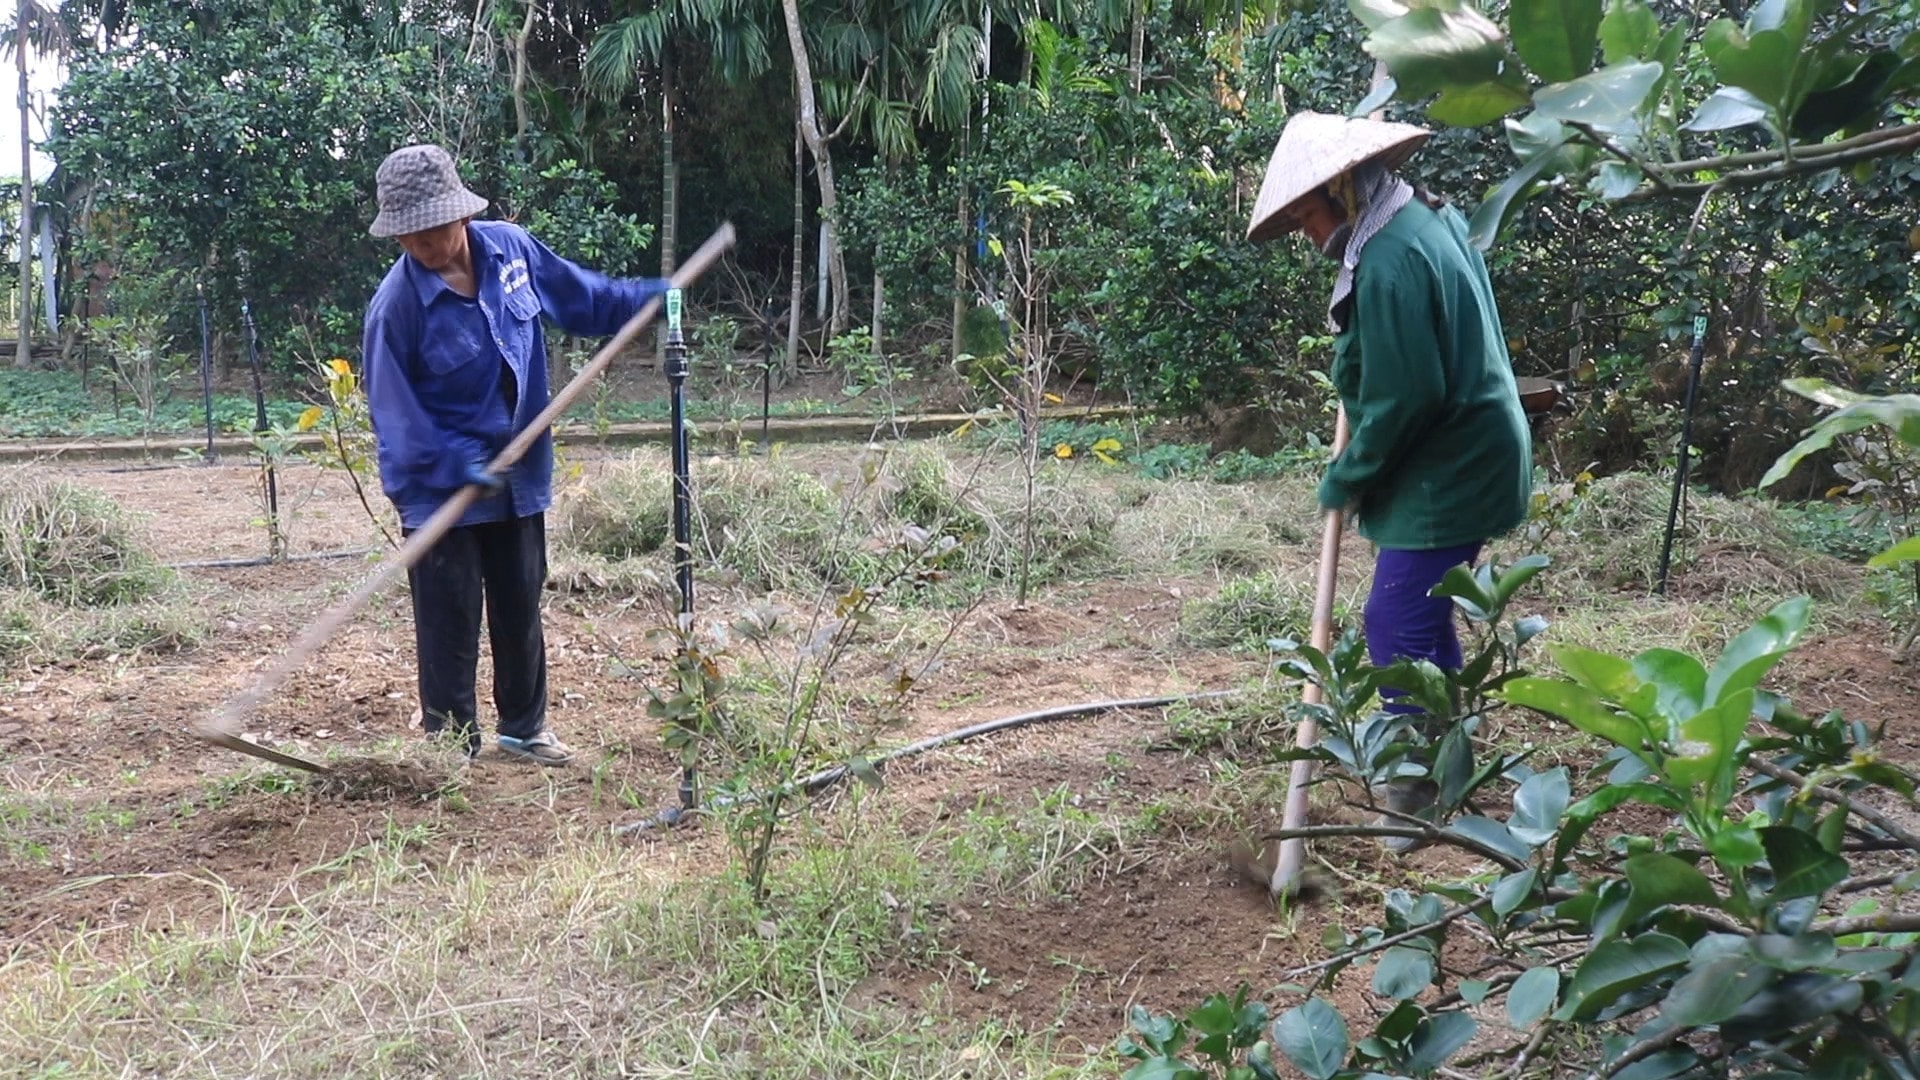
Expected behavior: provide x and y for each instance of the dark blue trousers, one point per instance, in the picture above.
(499, 566)
(1402, 621)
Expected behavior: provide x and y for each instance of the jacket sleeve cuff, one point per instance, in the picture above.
(1333, 494)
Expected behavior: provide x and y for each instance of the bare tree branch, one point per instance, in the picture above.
(1826, 794)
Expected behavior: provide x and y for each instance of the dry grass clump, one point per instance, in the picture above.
(621, 511)
(1250, 611)
(1728, 548)
(1199, 526)
(70, 545)
(78, 579)
(776, 525)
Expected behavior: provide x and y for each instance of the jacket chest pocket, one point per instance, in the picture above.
(450, 346)
(519, 321)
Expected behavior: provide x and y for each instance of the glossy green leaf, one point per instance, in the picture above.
(1438, 1038)
(1431, 48)
(1474, 991)
(1529, 137)
(1705, 752)
(1615, 967)
(1905, 551)
(1514, 578)
(1539, 806)
(1513, 890)
(1728, 107)
(1609, 676)
(1403, 972)
(1578, 706)
(1314, 1037)
(1616, 180)
(1461, 585)
(1607, 100)
(1680, 681)
(1628, 31)
(1736, 847)
(1376, 98)
(1792, 952)
(1898, 413)
(1491, 835)
(1477, 105)
(1748, 657)
(1761, 64)
(1663, 880)
(1714, 990)
(1556, 38)
(1801, 867)
(1532, 996)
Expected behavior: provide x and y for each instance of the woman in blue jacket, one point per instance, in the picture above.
(455, 365)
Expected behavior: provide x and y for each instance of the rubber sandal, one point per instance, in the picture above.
(542, 749)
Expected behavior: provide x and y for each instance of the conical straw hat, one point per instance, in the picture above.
(1314, 148)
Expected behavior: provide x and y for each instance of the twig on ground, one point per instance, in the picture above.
(1826, 794)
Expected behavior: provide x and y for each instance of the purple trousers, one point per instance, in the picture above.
(1402, 621)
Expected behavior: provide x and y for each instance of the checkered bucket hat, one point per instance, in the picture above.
(420, 189)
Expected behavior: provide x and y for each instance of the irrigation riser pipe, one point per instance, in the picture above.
(223, 728)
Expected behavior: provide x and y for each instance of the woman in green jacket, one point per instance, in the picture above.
(1439, 458)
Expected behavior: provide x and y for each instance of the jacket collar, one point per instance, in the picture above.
(428, 285)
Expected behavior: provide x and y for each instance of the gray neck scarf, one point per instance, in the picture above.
(1369, 195)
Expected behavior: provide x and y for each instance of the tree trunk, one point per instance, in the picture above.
(1137, 48)
(797, 292)
(822, 165)
(520, 118)
(24, 359)
(670, 171)
(669, 183)
(959, 282)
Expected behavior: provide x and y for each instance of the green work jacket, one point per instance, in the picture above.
(1439, 453)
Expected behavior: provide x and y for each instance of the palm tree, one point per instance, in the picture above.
(650, 36)
(36, 29)
(898, 64)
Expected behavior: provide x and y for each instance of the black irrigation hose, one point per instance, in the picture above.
(826, 778)
(234, 564)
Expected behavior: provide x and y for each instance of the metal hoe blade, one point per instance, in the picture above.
(278, 757)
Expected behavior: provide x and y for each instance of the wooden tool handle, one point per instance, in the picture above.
(1293, 853)
(226, 723)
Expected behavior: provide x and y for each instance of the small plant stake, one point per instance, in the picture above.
(275, 538)
(1686, 451)
(676, 369)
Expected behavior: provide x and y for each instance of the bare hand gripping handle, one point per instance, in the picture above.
(223, 728)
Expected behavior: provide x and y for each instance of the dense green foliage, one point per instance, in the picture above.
(252, 173)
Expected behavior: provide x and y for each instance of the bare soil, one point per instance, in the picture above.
(127, 819)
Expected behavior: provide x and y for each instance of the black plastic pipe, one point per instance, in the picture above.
(1686, 451)
(206, 366)
(675, 365)
(826, 778)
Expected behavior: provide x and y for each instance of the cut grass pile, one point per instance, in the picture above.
(1731, 548)
(776, 525)
(77, 578)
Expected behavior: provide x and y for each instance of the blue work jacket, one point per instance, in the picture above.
(437, 367)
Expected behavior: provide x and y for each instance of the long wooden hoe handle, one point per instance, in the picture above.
(1293, 852)
(223, 728)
